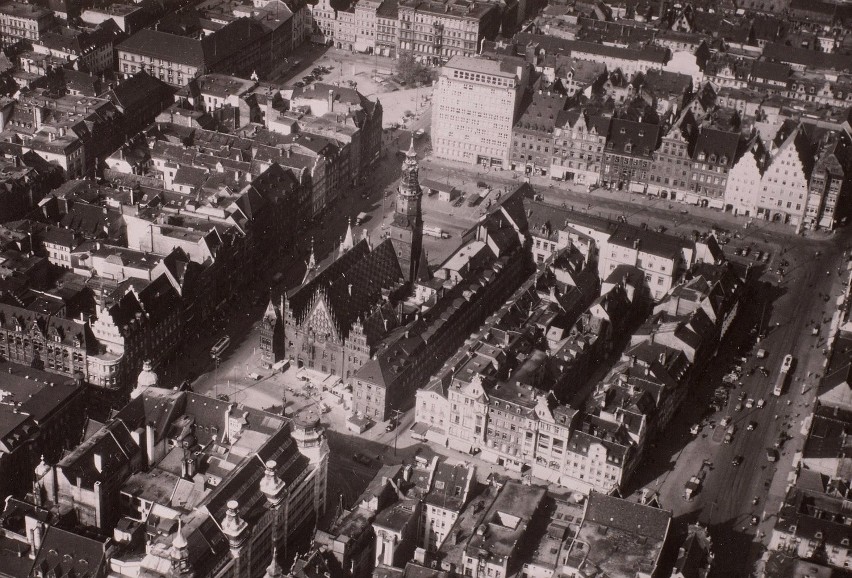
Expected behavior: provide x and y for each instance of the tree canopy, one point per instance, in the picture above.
(409, 71)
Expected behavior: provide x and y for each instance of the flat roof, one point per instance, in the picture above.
(480, 65)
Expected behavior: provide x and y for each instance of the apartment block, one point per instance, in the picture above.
(670, 177)
(243, 47)
(713, 156)
(619, 537)
(366, 25)
(662, 258)
(495, 548)
(628, 155)
(814, 518)
(474, 109)
(436, 30)
(387, 28)
(829, 186)
(21, 22)
(533, 134)
(92, 51)
(579, 138)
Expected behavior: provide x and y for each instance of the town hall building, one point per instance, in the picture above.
(335, 320)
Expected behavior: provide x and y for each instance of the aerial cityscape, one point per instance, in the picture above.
(425, 289)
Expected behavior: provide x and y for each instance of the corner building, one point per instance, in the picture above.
(474, 107)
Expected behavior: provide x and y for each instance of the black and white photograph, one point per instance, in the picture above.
(425, 289)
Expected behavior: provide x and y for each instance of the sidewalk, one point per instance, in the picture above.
(559, 192)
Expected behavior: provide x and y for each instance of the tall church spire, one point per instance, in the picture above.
(349, 240)
(312, 265)
(407, 226)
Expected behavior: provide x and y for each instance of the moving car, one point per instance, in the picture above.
(737, 461)
(751, 425)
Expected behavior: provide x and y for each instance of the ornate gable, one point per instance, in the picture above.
(320, 320)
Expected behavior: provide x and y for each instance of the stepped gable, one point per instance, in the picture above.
(350, 285)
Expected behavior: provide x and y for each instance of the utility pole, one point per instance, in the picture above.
(396, 414)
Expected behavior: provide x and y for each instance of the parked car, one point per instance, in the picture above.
(751, 425)
(390, 427)
(362, 459)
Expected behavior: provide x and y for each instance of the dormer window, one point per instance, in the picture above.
(622, 131)
(712, 158)
(818, 535)
(723, 161)
(701, 157)
(628, 148)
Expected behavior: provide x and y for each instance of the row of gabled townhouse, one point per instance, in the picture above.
(800, 177)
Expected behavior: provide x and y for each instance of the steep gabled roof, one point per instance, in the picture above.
(99, 457)
(350, 285)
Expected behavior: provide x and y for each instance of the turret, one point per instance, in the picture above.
(312, 265)
(180, 554)
(272, 486)
(235, 529)
(274, 570)
(349, 240)
(147, 378)
(45, 487)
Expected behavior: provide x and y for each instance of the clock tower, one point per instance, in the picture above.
(407, 227)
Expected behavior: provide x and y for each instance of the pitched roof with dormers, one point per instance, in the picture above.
(632, 138)
(99, 457)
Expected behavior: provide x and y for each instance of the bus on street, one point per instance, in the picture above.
(781, 382)
(220, 347)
